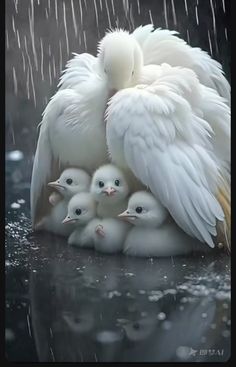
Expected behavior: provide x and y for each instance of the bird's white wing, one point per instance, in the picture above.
(78, 69)
(163, 46)
(154, 132)
(41, 174)
(205, 102)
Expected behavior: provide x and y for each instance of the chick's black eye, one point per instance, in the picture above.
(139, 209)
(69, 181)
(78, 211)
(101, 183)
(117, 182)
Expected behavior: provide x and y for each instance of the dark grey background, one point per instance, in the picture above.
(68, 305)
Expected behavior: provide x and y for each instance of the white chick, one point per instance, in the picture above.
(154, 234)
(82, 213)
(71, 181)
(110, 235)
(110, 189)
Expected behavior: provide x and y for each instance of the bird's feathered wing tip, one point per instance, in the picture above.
(224, 228)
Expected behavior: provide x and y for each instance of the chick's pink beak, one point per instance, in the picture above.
(109, 191)
(68, 219)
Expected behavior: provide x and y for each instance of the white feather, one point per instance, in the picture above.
(72, 131)
(155, 131)
(162, 45)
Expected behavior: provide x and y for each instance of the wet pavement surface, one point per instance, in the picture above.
(65, 304)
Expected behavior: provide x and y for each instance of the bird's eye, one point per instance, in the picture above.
(139, 209)
(78, 211)
(117, 182)
(69, 181)
(101, 183)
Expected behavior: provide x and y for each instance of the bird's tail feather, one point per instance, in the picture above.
(224, 228)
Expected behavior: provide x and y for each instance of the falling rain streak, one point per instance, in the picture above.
(7, 39)
(223, 4)
(150, 15)
(65, 26)
(41, 47)
(209, 39)
(68, 16)
(13, 24)
(56, 11)
(196, 13)
(165, 13)
(226, 34)
(186, 7)
(85, 41)
(81, 13)
(74, 19)
(214, 26)
(14, 80)
(96, 13)
(108, 14)
(174, 12)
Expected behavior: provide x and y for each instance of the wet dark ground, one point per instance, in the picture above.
(65, 304)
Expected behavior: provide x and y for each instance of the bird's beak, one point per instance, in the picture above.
(56, 184)
(126, 215)
(68, 219)
(109, 191)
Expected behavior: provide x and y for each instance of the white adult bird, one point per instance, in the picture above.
(70, 182)
(72, 131)
(82, 212)
(154, 233)
(164, 46)
(172, 132)
(110, 189)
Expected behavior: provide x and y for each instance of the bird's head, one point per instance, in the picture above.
(120, 59)
(109, 184)
(71, 182)
(81, 209)
(144, 210)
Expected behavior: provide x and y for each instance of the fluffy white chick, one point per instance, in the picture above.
(70, 182)
(82, 213)
(154, 232)
(110, 235)
(110, 189)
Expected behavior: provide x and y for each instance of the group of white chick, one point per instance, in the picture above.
(98, 213)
